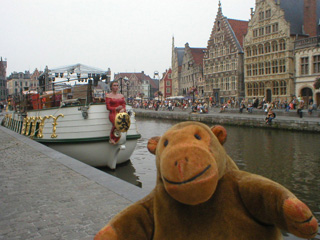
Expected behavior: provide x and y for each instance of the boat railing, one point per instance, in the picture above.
(58, 96)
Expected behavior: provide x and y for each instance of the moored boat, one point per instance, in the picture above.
(73, 122)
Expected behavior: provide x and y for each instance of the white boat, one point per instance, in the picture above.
(76, 128)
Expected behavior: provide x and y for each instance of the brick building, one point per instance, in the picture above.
(224, 59)
(165, 84)
(191, 78)
(137, 84)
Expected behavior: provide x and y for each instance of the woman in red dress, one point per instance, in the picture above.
(115, 104)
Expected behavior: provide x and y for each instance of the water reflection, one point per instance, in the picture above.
(290, 158)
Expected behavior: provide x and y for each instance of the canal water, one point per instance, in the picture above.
(289, 158)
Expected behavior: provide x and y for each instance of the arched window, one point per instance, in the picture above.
(267, 47)
(261, 50)
(282, 45)
(248, 51)
(275, 90)
(254, 51)
(274, 46)
(283, 87)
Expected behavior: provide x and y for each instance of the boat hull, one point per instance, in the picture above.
(96, 153)
(82, 133)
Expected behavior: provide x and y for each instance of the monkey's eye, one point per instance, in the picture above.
(166, 143)
(197, 136)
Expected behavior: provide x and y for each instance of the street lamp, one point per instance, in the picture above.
(125, 80)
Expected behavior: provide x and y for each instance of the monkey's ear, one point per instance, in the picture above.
(152, 144)
(220, 132)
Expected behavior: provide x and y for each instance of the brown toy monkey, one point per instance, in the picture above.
(201, 194)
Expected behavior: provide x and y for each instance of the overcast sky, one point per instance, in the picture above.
(124, 35)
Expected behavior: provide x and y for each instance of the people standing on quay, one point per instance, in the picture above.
(310, 105)
(300, 107)
(115, 103)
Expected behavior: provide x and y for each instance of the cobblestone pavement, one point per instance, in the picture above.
(47, 195)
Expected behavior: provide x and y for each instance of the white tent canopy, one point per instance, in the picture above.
(175, 97)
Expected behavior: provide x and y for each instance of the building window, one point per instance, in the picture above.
(261, 89)
(275, 27)
(261, 68)
(282, 45)
(223, 50)
(167, 90)
(168, 83)
(248, 51)
(249, 73)
(268, 13)
(227, 83)
(255, 89)
(274, 46)
(233, 83)
(268, 29)
(316, 64)
(261, 31)
(268, 67)
(304, 65)
(267, 47)
(255, 33)
(249, 89)
(260, 49)
(222, 84)
(275, 89)
(275, 66)
(283, 87)
(282, 65)
(261, 15)
(255, 69)
(254, 51)
(227, 66)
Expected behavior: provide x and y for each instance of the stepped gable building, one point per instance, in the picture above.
(137, 84)
(191, 78)
(269, 46)
(224, 59)
(3, 80)
(165, 84)
(176, 66)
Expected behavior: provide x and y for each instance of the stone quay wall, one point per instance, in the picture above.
(285, 122)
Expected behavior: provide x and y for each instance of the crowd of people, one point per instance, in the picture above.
(202, 106)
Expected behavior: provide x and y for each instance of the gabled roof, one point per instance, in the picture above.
(154, 83)
(140, 75)
(294, 13)
(198, 54)
(240, 28)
